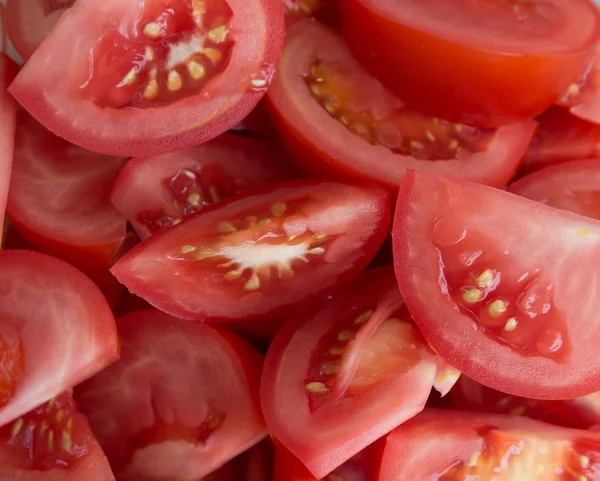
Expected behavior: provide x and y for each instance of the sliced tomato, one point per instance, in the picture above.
(53, 442)
(572, 186)
(341, 375)
(57, 330)
(8, 70)
(59, 198)
(340, 122)
(180, 403)
(503, 288)
(500, 61)
(29, 22)
(453, 446)
(157, 192)
(147, 77)
(561, 137)
(583, 97)
(581, 413)
(256, 256)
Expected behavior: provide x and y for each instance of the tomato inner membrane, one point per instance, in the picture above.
(47, 438)
(12, 364)
(161, 56)
(368, 110)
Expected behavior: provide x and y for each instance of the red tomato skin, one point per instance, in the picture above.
(138, 133)
(485, 90)
(8, 120)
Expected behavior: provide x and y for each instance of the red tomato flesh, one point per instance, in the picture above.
(340, 122)
(343, 374)
(583, 97)
(502, 287)
(8, 70)
(153, 76)
(485, 63)
(157, 192)
(257, 255)
(181, 401)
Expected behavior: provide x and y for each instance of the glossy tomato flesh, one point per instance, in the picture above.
(340, 122)
(502, 287)
(485, 63)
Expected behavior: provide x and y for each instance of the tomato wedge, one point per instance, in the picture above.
(338, 121)
(453, 446)
(180, 403)
(53, 442)
(8, 70)
(57, 330)
(572, 186)
(341, 375)
(151, 76)
(256, 256)
(29, 22)
(561, 137)
(581, 413)
(59, 198)
(502, 287)
(583, 96)
(500, 61)
(156, 192)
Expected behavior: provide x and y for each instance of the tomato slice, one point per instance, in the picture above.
(52, 442)
(482, 272)
(489, 54)
(561, 137)
(453, 446)
(341, 375)
(583, 97)
(581, 413)
(59, 198)
(256, 256)
(180, 403)
(572, 186)
(340, 122)
(57, 330)
(29, 22)
(8, 70)
(146, 77)
(157, 192)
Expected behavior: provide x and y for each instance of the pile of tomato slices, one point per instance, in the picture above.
(299, 240)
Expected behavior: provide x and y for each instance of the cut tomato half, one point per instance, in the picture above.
(341, 375)
(572, 186)
(256, 256)
(581, 413)
(57, 330)
(53, 442)
(502, 287)
(583, 97)
(180, 403)
(483, 63)
(59, 198)
(340, 122)
(454, 446)
(8, 70)
(157, 192)
(147, 77)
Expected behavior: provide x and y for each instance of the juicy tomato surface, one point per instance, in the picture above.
(258, 255)
(341, 375)
(561, 137)
(53, 442)
(8, 70)
(340, 122)
(580, 413)
(500, 61)
(59, 198)
(583, 97)
(28, 22)
(147, 77)
(504, 288)
(181, 401)
(572, 186)
(157, 192)
(57, 330)
(455, 446)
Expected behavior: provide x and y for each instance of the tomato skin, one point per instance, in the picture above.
(323, 147)
(135, 132)
(8, 70)
(485, 89)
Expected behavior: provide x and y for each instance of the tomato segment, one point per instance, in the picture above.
(489, 294)
(305, 237)
(8, 70)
